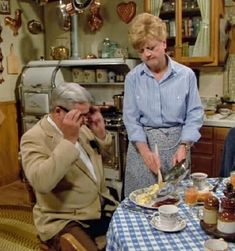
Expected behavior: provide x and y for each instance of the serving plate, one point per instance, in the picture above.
(155, 201)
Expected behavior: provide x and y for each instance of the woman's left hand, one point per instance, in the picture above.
(179, 155)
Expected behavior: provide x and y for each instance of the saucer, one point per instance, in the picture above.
(180, 225)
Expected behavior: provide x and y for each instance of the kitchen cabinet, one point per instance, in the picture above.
(196, 30)
(206, 154)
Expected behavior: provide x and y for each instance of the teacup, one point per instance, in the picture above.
(199, 180)
(215, 245)
(168, 215)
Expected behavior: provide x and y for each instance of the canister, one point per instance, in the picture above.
(78, 75)
(101, 75)
(112, 76)
(89, 76)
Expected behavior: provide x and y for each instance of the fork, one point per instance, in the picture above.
(134, 209)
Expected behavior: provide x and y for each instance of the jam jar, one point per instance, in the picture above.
(226, 217)
(210, 210)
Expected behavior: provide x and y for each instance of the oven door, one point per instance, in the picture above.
(112, 163)
(36, 102)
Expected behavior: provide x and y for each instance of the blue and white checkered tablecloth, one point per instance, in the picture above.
(130, 230)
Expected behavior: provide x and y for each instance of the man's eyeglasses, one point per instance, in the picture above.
(63, 108)
(83, 114)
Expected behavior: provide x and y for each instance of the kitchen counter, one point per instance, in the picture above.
(220, 120)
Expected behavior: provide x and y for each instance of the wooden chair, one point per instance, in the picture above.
(68, 242)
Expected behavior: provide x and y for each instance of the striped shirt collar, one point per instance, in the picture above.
(172, 69)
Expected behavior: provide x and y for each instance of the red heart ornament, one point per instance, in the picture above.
(126, 11)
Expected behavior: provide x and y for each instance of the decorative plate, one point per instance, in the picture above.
(126, 11)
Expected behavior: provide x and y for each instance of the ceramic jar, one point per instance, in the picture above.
(78, 75)
(111, 76)
(89, 76)
(226, 217)
(210, 210)
(102, 75)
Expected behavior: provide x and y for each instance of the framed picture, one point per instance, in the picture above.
(5, 7)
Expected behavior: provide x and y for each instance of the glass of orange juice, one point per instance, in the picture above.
(232, 178)
(191, 197)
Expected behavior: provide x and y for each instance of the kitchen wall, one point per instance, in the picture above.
(113, 28)
(26, 45)
(210, 82)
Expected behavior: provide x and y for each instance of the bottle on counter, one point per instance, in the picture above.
(210, 210)
(226, 217)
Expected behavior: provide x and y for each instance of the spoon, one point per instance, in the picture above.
(164, 188)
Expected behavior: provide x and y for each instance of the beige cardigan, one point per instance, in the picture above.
(64, 187)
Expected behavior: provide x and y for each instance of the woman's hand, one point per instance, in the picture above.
(151, 159)
(179, 155)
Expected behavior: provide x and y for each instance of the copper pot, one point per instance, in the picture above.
(118, 101)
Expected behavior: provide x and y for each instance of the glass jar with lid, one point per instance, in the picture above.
(106, 48)
(210, 210)
(226, 216)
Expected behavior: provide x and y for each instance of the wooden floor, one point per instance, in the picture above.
(14, 194)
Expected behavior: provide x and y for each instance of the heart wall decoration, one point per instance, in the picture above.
(126, 11)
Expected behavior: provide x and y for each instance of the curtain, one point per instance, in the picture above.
(202, 45)
(155, 6)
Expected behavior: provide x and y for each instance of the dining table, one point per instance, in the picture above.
(131, 227)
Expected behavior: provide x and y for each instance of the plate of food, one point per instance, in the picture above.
(148, 197)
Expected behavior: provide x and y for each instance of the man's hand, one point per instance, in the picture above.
(71, 124)
(95, 122)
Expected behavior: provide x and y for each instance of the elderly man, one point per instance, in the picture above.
(62, 160)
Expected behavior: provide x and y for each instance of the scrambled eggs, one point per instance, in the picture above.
(146, 197)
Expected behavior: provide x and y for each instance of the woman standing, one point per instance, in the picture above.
(162, 106)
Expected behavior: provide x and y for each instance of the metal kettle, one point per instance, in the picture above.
(118, 101)
(59, 53)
